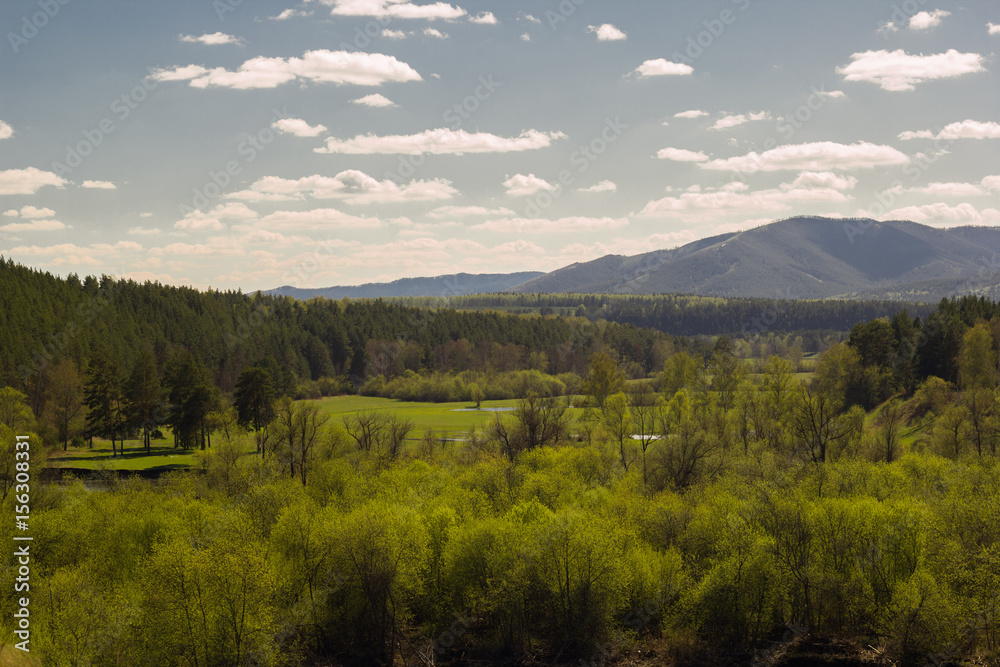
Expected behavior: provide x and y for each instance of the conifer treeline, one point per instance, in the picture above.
(686, 315)
(45, 318)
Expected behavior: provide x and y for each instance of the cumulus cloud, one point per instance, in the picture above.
(99, 185)
(943, 214)
(948, 190)
(817, 156)
(733, 197)
(898, 70)
(393, 34)
(602, 186)
(663, 67)
(485, 18)
(321, 66)
(297, 127)
(6, 131)
(991, 182)
(213, 39)
(197, 221)
(289, 13)
(824, 180)
(70, 254)
(463, 211)
(32, 212)
(681, 155)
(606, 32)
(993, 28)
(735, 120)
(33, 226)
(546, 226)
(441, 141)
(435, 33)
(27, 181)
(521, 185)
(375, 100)
(966, 129)
(926, 20)
(691, 113)
(352, 186)
(398, 9)
(316, 219)
(525, 37)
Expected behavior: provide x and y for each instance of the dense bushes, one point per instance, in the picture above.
(453, 387)
(559, 552)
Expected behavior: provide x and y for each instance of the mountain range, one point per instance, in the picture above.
(796, 258)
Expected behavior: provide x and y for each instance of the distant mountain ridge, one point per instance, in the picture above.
(801, 258)
(796, 258)
(457, 284)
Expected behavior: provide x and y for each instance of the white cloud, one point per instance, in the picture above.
(27, 181)
(993, 28)
(943, 214)
(322, 66)
(735, 120)
(733, 197)
(663, 67)
(317, 219)
(525, 37)
(531, 19)
(485, 18)
(144, 231)
(949, 190)
(31, 212)
(399, 9)
(607, 32)
(99, 185)
(680, 155)
(520, 185)
(546, 226)
(297, 127)
(212, 221)
(991, 182)
(898, 70)
(145, 214)
(441, 141)
(926, 20)
(289, 13)
(834, 94)
(6, 131)
(966, 129)
(393, 34)
(434, 32)
(691, 113)
(602, 186)
(352, 186)
(213, 39)
(12, 213)
(818, 156)
(375, 100)
(70, 254)
(824, 180)
(463, 211)
(33, 226)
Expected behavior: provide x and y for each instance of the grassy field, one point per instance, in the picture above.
(446, 420)
(162, 456)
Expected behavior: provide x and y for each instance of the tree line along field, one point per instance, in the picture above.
(705, 510)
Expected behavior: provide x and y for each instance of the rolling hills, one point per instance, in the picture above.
(804, 258)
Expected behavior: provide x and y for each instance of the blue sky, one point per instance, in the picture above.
(252, 144)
